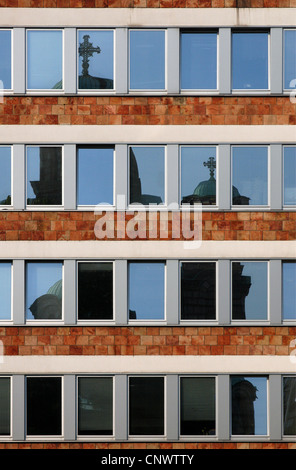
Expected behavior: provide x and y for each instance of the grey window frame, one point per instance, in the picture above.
(286, 206)
(285, 90)
(9, 206)
(12, 52)
(11, 391)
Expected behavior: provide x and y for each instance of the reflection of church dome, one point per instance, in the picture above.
(56, 289)
(206, 188)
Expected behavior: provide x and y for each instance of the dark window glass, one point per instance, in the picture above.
(249, 405)
(95, 406)
(44, 176)
(289, 408)
(289, 290)
(95, 291)
(44, 290)
(197, 406)
(146, 406)
(249, 290)
(5, 291)
(290, 175)
(147, 175)
(289, 58)
(198, 291)
(4, 406)
(44, 406)
(5, 64)
(5, 175)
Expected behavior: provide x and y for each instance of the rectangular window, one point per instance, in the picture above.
(249, 405)
(146, 406)
(44, 290)
(5, 291)
(6, 59)
(95, 60)
(44, 176)
(147, 60)
(289, 58)
(198, 406)
(147, 175)
(198, 291)
(45, 60)
(95, 291)
(95, 406)
(249, 290)
(198, 60)
(289, 292)
(290, 176)
(5, 176)
(198, 175)
(95, 176)
(250, 57)
(5, 406)
(289, 408)
(44, 406)
(250, 176)
(146, 281)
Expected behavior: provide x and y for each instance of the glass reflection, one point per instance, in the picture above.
(289, 292)
(5, 291)
(289, 406)
(146, 406)
(44, 176)
(146, 291)
(4, 406)
(250, 61)
(147, 175)
(95, 291)
(5, 175)
(249, 405)
(289, 58)
(147, 60)
(44, 290)
(198, 291)
(198, 60)
(5, 63)
(290, 175)
(95, 406)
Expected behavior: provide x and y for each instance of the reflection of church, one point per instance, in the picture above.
(243, 397)
(136, 195)
(48, 189)
(49, 305)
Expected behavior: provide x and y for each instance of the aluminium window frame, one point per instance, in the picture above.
(283, 435)
(286, 90)
(9, 206)
(284, 146)
(2, 89)
(10, 435)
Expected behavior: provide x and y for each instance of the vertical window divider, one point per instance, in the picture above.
(121, 177)
(224, 61)
(121, 60)
(18, 176)
(19, 60)
(275, 406)
(172, 292)
(276, 60)
(121, 406)
(275, 291)
(121, 292)
(69, 292)
(172, 176)
(18, 292)
(69, 177)
(224, 177)
(275, 176)
(224, 292)
(172, 407)
(173, 59)
(69, 65)
(18, 407)
(69, 407)
(223, 406)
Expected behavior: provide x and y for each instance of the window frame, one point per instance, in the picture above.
(9, 206)
(10, 435)
(9, 90)
(284, 146)
(286, 90)
(286, 321)
(9, 320)
(283, 435)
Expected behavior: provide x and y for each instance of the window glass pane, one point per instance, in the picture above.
(290, 58)
(44, 406)
(289, 406)
(198, 415)
(4, 406)
(249, 405)
(146, 291)
(5, 175)
(5, 63)
(289, 292)
(95, 406)
(147, 180)
(198, 291)
(95, 175)
(250, 176)
(44, 289)
(5, 291)
(95, 58)
(290, 175)
(147, 60)
(198, 171)
(249, 290)
(146, 406)
(250, 61)
(44, 175)
(198, 60)
(95, 291)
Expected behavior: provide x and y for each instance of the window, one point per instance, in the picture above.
(147, 60)
(146, 406)
(147, 175)
(44, 60)
(250, 176)
(44, 406)
(44, 290)
(289, 408)
(5, 54)
(44, 176)
(289, 58)
(5, 291)
(95, 175)
(198, 175)
(146, 290)
(289, 176)
(95, 406)
(5, 406)
(95, 59)
(289, 293)
(249, 290)
(198, 60)
(198, 291)
(250, 60)
(95, 291)
(249, 405)
(5, 175)
(198, 406)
